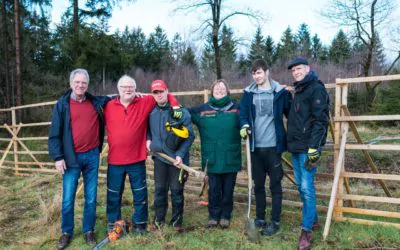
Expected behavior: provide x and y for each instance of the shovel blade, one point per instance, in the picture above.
(251, 231)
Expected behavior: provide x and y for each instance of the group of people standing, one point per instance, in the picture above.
(137, 125)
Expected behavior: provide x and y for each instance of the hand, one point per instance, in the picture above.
(290, 89)
(60, 166)
(177, 112)
(148, 142)
(313, 155)
(178, 160)
(139, 94)
(244, 131)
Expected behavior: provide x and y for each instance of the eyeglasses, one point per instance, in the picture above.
(126, 87)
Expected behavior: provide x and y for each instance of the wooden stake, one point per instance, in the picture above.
(338, 171)
(367, 156)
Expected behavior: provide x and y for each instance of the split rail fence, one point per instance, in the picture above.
(332, 189)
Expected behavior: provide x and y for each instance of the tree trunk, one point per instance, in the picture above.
(104, 77)
(18, 91)
(217, 57)
(76, 19)
(4, 35)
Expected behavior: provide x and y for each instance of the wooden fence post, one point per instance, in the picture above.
(205, 95)
(338, 104)
(14, 124)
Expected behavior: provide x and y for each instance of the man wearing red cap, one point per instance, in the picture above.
(126, 119)
(174, 140)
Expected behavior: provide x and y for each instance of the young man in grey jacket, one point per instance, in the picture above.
(166, 174)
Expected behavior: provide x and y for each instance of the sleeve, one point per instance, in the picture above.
(320, 116)
(185, 146)
(195, 114)
(287, 103)
(55, 136)
(173, 101)
(244, 110)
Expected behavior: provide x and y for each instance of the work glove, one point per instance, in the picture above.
(244, 131)
(313, 155)
(177, 112)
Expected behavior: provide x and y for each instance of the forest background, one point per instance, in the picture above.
(37, 55)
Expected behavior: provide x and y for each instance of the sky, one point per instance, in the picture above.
(279, 14)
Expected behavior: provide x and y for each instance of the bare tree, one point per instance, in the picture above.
(365, 17)
(216, 14)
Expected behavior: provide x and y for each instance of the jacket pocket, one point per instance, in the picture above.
(208, 154)
(233, 155)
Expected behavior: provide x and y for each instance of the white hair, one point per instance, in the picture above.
(126, 78)
(78, 71)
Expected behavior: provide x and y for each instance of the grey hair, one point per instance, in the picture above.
(78, 71)
(126, 78)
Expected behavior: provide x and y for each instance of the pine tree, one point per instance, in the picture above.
(286, 48)
(303, 40)
(158, 54)
(316, 47)
(340, 49)
(269, 51)
(257, 47)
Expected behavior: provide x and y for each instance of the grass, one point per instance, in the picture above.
(30, 219)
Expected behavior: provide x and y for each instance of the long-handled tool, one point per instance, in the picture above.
(198, 174)
(250, 228)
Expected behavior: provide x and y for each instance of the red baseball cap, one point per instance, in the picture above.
(158, 85)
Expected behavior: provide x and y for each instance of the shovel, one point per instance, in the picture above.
(250, 228)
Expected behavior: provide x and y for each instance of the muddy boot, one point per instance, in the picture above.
(305, 240)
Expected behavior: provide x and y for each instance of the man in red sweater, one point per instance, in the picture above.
(126, 119)
(75, 139)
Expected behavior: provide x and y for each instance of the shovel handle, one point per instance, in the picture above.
(250, 177)
(182, 166)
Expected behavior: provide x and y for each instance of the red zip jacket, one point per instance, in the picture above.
(127, 128)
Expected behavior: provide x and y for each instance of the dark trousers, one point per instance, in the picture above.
(115, 187)
(266, 161)
(220, 195)
(166, 177)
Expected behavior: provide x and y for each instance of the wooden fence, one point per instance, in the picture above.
(28, 161)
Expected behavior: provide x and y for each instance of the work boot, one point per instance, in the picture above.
(140, 229)
(212, 223)
(224, 223)
(259, 223)
(90, 238)
(64, 241)
(271, 228)
(305, 240)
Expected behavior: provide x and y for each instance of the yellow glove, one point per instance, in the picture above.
(313, 154)
(177, 112)
(244, 131)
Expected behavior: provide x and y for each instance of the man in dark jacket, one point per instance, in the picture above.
(262, 107)
(307, 131)
(75, 140)
(166, 174)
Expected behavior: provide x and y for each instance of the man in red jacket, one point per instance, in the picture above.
(126, 119)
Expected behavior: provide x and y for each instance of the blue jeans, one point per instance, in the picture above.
(89, 166)
(115, 187)
(305, 184)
